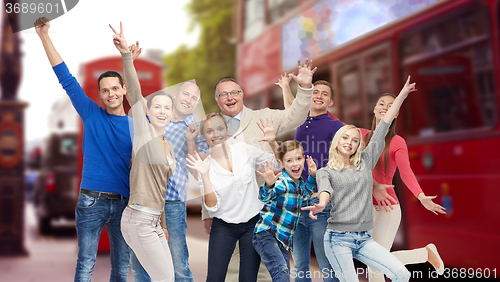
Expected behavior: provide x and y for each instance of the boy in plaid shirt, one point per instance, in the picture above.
(282, 194)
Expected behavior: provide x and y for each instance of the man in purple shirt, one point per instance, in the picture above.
(315, 134)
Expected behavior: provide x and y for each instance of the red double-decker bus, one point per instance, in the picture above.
(150, 75)
(450, 48)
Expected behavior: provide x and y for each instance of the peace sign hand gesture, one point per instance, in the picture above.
(119, 40)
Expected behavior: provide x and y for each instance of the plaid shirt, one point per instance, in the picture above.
(281, 211)
(174, 132)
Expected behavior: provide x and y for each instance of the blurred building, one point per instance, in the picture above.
(366, 48)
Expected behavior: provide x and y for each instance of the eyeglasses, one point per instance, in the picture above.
(224, 95)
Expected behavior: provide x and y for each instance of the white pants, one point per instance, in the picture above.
(143, 233)
(386, 227)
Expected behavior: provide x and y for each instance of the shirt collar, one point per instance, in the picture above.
(187, 120)
(323, 116)
(238, 116)
(290, 180)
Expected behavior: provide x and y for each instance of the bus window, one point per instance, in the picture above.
(378, 76)
(349, 86)
(454, 75)
(256, 102)
(276, 99)
(276, 9)
(254, 19)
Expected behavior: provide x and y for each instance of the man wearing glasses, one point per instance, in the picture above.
(242, 125)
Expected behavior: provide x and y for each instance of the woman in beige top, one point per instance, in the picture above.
(143, 221)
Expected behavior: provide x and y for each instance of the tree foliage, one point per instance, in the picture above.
(213, 57)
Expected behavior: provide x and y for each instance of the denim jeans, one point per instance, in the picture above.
(223, 238)
(138, 272)
(91, 215)
(342, 246)
(273, 254)
(308, 228)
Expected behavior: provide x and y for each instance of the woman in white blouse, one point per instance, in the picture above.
(230, 195)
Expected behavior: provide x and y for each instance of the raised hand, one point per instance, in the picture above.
(267, 129)
(192, 131)
(381, 196)
(408, 88)
(427, 202)
(305, 74)
(313, 210)
(42, 26)
(284, 81)
(119, 40)
(195, 162)
(311, 165)
(136, 51)
(269, 175)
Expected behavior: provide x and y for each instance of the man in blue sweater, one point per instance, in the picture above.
(107, 148)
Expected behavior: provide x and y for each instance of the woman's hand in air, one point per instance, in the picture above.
(196, 163)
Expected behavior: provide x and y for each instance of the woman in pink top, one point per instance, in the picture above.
(387, 221)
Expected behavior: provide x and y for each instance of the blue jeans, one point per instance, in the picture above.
(342, 246)
(91, 215)
(273, 254)
(223, 238)
(308, 228)
(175, 216)
(138, 272)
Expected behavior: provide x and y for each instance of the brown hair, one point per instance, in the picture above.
(324, 82)
(391, 133)
(288, 146)
(208, 117)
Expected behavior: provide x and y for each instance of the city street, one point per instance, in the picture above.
(53, 257)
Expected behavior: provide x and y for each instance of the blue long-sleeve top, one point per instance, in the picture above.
(107, 143)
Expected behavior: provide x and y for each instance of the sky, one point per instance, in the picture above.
(83, 34)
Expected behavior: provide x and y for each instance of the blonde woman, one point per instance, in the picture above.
(347, 183)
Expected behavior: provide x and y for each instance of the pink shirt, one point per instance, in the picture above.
(398, 157)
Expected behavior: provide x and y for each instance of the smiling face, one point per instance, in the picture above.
(348, 143)
(160, 111)
(214, 131)
(185, 99)
(230, 106)
(382, 106)
(111, 92)
(321, 99)
(293, 163)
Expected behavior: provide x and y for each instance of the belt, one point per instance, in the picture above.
(104, 195)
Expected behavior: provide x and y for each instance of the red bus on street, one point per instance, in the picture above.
(451, 50)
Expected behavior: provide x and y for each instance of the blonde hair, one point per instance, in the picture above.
(335, 161)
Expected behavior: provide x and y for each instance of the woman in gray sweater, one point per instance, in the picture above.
(347, 183)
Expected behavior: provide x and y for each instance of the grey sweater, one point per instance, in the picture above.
(350, 190)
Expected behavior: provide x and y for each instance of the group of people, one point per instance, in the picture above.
(260, 199)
